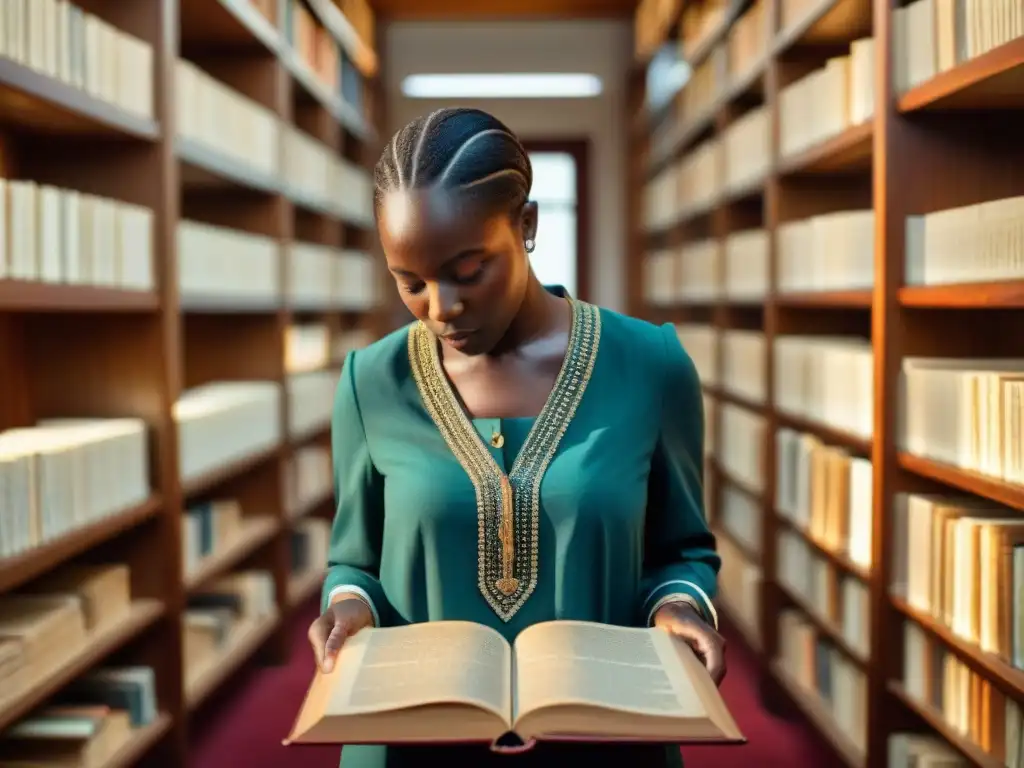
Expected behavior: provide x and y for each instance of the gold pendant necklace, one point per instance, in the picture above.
(497, 439)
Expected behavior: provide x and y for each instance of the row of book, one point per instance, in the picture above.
(218, 266)
(826, 379)
(825, 493)
(829, 100)
(960, 561)
(741, 516)
(62, 474)
(53, 619)
(848, 237)
(257, 141)
(746, 151)
(971, 244)
(310, 401)
(309, 478)
(938, 681)
(739, 588)
(55, 235)
(824, 674)
(220, 616)
(86, 724)
(965, 412)
(60, 40)
(701, 343)
(735, 269)
(729, 64)
(325, 51)
(212, 527)
(225, 422)
(744, 360)
(836, 599)
(307, 347)
(933, 36)
(310, 542)
(741, 445)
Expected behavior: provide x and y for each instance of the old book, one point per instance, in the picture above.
(455, 681)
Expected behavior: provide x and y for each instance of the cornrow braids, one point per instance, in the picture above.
(466, 151)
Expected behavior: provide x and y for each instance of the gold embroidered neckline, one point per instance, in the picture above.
(508, 506)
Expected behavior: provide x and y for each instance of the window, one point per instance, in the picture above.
(554, 190)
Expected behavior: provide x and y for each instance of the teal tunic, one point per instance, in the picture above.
(608, 501)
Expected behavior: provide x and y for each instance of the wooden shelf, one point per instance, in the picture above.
(21, 569)
(825, 299)
(950, 143)
(22, 296)
(994, 80)
(733, 399)
(823, 625)
(1008, 679)
(209, 480)
(35, 102)
(815, 711)
(143, 614)
(829, 22)
(244, 642)
(840, 561)
(256, 531)
(142, 739)
(70, 350)
(226, 24)
(744, 548)
(1008, 295)
(828, 434)
(937, 723)
(205, 168)
(850, 151)
(303, 586)
(973, 482)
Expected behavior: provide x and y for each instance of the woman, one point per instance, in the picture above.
(588, 421)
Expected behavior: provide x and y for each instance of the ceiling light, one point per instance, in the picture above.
(502, 86)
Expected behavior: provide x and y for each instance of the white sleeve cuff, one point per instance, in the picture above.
(705, 607)
(359, 592)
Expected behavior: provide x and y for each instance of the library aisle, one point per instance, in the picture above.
(245, 727)
(831, 210)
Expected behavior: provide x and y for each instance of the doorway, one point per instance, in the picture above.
(560, 191)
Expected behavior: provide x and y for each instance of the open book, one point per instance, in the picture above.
(455, 681)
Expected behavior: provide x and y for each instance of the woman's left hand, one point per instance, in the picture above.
(683, 621)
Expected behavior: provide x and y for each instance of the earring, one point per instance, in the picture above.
(457, 307)
(530, 245)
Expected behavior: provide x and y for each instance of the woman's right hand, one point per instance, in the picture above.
(342, 619)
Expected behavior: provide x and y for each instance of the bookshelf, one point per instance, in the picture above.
(187, 254)
(830, 211)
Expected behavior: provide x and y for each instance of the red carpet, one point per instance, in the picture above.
(245, 725)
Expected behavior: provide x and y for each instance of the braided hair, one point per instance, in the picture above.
(466, 151)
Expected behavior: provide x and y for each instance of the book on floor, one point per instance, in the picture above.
(454, 681)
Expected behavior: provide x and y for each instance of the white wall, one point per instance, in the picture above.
(602, 48)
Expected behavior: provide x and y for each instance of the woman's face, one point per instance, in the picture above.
(462, 272)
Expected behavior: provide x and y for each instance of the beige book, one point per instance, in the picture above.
(455, 681)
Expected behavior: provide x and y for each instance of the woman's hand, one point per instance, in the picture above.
(683, 621)
(342, 619)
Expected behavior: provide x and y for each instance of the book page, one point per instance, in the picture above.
(440, 662)
(620, 668)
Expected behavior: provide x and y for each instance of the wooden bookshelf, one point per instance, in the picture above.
(940, 143)
(86, 345)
